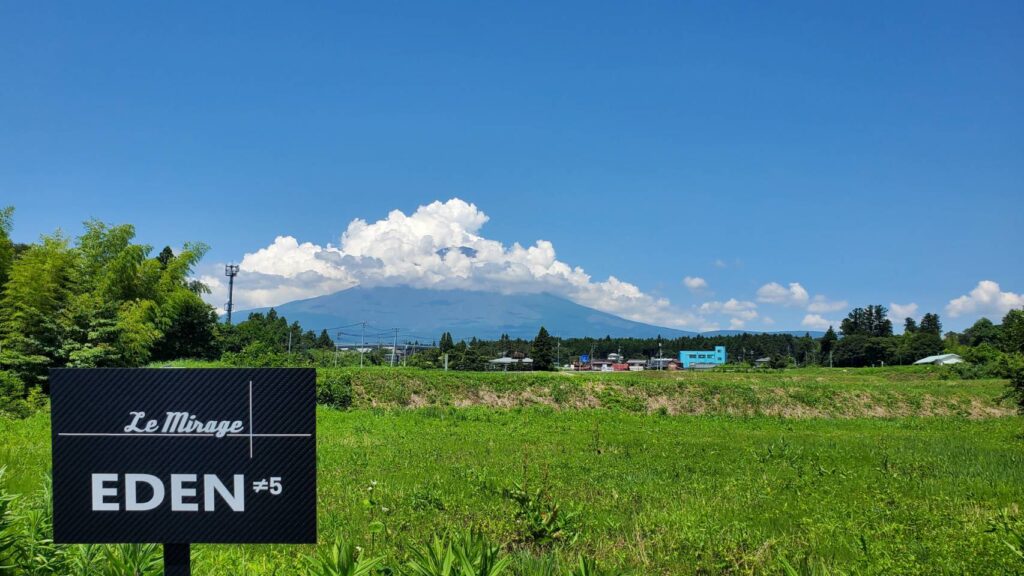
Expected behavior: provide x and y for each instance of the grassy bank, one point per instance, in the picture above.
(800, 393)
(650, 494)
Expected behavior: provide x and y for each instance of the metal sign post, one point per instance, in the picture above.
(177, 560)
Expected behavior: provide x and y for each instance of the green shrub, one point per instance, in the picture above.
(341, 558)
(16, 400)
(542, 520)
(1014, 369)
(471, 555)
(334, 389)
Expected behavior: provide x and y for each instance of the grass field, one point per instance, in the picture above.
(732, 491)
(803, 393)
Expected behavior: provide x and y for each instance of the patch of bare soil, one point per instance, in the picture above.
(687, 400)
(979, 410)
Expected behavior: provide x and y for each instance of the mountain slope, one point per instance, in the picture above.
(425, 314)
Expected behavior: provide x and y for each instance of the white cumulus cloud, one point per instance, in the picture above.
(821, 304)
(744, 310)
(775, 293)
(439, 246)
(817, 322)
(695, 283)
(900, 312)
(986, 298)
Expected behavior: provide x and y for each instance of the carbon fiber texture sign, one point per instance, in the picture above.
(203, 455)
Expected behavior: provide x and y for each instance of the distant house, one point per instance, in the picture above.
(601, 365)
(504, 363)
(663, 364)
(763, 362)
(941, 360)
(702, 358)
(636, 365)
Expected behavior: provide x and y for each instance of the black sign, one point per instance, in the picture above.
(184, 455)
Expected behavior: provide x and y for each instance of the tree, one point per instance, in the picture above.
(828, 343)
(1013, 369)
(930, 324)
(165, 257)
(1013, 331)
(924, 344)
(982, 332)
(324, 341)
(33, 320)
(190, 328)
(870, 321)
(446, 344)
(542, 351)
(909, 326)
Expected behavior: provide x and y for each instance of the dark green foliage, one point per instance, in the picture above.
(930, 324)
(1013, 369)
(982, 332)
(189, 329)
(100, 301)
(543, 351)
(465, 357)
(15, 399)
(270, 330)
(923, 344)
(1013, 331)
(257, 354)
(861, 350)
(872, 321)
(828, 343)
(324, 341)
(909, 326)
(165, 257)
(334, 390)
(446, 344)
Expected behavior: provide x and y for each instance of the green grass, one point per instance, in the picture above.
(806, 392)
(653, 494)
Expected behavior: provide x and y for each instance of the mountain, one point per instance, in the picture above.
(424, 314)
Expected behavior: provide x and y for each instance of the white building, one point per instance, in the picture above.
(941, 360)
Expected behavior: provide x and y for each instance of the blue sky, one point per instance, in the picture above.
(868, 152)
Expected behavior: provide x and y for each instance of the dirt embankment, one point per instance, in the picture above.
(740, 400)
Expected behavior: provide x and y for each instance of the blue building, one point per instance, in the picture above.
(702, 358)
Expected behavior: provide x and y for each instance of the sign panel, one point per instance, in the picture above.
(184, 455)
(584, 358)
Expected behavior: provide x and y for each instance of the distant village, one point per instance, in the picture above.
(615, 362)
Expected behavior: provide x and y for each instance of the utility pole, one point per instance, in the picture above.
(289, 340)
(394, 350)
(362, 342)
(231, 270)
